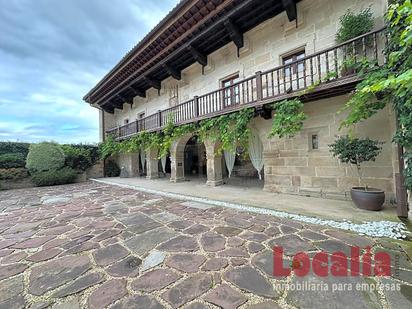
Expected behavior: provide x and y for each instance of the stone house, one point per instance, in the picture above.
(208, 58)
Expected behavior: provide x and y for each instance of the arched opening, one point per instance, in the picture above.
(165, 166)
(194, 159)
(142, 164)
(244, 172)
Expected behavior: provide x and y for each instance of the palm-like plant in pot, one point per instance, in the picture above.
(356, 151)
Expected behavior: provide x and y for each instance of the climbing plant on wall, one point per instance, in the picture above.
(288, 118)
(230, 130)
(390, 83)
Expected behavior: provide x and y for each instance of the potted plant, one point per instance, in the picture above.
(355, 151)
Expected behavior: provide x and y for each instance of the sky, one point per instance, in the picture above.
(52, 52)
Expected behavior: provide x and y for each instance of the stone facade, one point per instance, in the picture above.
(290, 165)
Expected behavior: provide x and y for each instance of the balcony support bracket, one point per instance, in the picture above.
(173, 72)
(291, 11)
(235, 34)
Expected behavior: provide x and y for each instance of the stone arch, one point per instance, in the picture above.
(177, 159)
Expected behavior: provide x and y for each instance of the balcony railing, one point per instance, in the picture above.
(329, 67)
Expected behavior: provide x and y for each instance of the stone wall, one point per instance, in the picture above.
(292, 166)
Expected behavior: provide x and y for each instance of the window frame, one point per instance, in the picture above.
(230, 95)
(294, 56)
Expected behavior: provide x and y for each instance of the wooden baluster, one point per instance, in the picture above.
(159, 119)
(290, 77)
(196, 105)
(278, 80)
(297, 75)
(319, 69)
(335, 55)
(259, 90)
(375, 47)
(354, 51)
(311, 71)
(284, 79)
(273, 83)
(364, 47)
(247, 91)
(327, 64)
(304, 73)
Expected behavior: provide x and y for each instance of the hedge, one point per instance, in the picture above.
(44, 157)
(14, 147)
(12, 160)
(13, 173)
(54, 177)
(80, 157)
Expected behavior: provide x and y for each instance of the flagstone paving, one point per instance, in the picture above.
(95, 246)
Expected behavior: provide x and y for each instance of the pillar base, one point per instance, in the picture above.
(152, 177)
(214, 183)
(177, 179)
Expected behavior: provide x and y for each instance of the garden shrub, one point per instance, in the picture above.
(54, 177)
(12, 160)
(111, 169)
(80, 157)
(14, 147)
(13, 173)
(353, 25)
(44, 157)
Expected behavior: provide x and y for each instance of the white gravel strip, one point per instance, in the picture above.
(370, 228)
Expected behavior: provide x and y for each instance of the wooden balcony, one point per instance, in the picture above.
(316, 76)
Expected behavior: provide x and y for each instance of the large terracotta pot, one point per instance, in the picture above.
(370, 199)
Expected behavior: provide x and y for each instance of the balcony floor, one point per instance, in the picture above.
(255, 197)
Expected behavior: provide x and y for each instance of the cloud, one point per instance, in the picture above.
(53, 52)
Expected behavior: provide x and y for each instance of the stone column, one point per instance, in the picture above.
(214, 165)
(130, 161)
(152, 163)
(177, 162)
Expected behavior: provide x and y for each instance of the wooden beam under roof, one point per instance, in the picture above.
(138, 92)
(153, 82)
(197, 55)
(290, 7)
(176, 74)
(235, 34)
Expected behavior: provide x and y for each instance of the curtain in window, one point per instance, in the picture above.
(256, 151)
(163, 160)
(230, 156)
(142, 157)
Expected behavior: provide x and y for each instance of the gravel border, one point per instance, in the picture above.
(370, 228)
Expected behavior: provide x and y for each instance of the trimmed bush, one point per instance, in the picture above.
(12, 160)
(54, 177)
(44, 157)
(13, 173)
(111, 169)
(78, 158)
(14, 147)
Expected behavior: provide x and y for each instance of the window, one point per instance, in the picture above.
(315, 141)
(231, 91)
(297, 67)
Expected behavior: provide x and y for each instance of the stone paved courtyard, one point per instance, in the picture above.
(95, 246)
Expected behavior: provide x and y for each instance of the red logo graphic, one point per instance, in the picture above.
(336, 263)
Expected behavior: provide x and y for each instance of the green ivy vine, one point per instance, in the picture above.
(390, 83)
(230, 130)
(288, 119)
